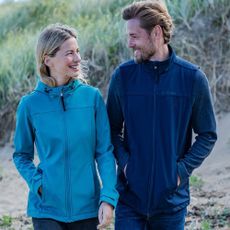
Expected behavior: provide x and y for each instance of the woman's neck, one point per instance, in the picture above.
(62, 81)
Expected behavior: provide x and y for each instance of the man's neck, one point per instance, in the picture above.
(161, 54)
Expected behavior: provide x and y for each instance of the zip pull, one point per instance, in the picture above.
(62, 101)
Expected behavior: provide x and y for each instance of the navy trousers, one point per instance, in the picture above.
(50, 224)
(127, 219)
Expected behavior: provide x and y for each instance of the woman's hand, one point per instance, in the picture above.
(40, 191)
(105, 215)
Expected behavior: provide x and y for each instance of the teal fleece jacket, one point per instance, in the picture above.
(69, 127)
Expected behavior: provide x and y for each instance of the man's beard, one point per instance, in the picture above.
(138, 57)
(141, 55)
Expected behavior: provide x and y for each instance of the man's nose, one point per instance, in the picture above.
(131, 44)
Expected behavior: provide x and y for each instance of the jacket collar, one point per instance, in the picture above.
(57, 91)
(160, 66)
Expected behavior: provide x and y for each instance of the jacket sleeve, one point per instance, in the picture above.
(116, 119)
(104, 154)
(24, 148)
(204, 126)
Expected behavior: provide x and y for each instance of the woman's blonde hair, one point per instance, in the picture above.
(49, 42)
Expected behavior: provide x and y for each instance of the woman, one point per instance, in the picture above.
(67, 122)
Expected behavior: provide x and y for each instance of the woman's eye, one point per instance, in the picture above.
(69, 53)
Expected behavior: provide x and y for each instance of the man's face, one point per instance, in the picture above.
(140, 41)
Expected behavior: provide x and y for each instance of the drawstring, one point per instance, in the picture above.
(62, 101)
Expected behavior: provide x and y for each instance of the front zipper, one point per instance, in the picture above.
(62, 101)
(152, 174)
(68, 200)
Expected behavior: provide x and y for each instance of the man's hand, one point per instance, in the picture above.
(105, 215)
(178, 181)
(125, 170)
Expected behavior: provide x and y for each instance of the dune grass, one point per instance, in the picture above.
(102, 40)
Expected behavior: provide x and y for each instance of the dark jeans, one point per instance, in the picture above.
(50, 224)
(127, 219)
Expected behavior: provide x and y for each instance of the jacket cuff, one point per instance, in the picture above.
(108, 200)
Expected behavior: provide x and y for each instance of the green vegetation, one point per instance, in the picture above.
(224, 218)
(99, 41)
(201, 35)
(6, 221)
(184, 11)
(215, 220)
(196, 182)
(205, 225)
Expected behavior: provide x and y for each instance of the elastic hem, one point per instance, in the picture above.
(63, 218)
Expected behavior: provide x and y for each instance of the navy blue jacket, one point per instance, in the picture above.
(153, 108)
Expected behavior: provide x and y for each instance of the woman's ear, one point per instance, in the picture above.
(47, 60)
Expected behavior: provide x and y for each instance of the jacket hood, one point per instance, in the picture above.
(56, 91)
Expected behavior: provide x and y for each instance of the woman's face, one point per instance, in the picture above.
(66, 62)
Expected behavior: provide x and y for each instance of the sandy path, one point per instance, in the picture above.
(215, 171)
(13, 188)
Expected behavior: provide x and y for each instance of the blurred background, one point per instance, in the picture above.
(201, 35)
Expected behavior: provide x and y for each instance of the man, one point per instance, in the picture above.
(155, 102)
